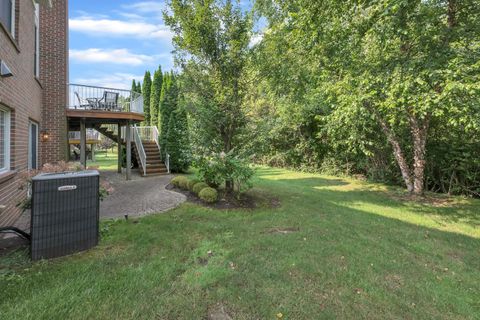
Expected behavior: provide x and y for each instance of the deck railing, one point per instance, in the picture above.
(91, 135)
(141, 151)
(85, 97)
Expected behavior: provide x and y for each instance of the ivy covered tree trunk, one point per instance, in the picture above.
(398, 154)
(419, 130)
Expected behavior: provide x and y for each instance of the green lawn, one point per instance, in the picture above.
(359, 252)
(105, 160)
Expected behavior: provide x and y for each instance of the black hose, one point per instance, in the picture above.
(17, 231)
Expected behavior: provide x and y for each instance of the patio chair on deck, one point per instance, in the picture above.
(109, 101)
(83, 103)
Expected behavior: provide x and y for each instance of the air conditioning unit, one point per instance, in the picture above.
(65, 213)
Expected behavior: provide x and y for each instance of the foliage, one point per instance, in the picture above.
(221, 167)
(146, 91)
(208, 195)
(197, 187)
(106, 143)
(339, 73)
(180, 182)
(124, 158)
(211, 40)
(177, 142)
(168, 103)
(192, 182)
(155, 93)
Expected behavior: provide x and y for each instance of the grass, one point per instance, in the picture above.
(105, 160)
(356, 250)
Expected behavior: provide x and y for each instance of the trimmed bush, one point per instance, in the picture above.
(192, 182)
(199, 186)
(208, 195)
(180, 182)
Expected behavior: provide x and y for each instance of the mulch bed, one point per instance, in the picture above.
(251, 199)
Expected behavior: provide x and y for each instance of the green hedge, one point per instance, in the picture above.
(208, 195)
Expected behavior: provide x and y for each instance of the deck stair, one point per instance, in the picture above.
(145, 147)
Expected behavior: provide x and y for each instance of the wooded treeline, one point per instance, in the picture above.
(386, 89)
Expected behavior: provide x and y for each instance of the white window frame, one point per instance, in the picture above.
(13, 18)
(6, 167)
(30, 147)
(37, 40)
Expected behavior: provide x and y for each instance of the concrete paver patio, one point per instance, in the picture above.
(139, 196)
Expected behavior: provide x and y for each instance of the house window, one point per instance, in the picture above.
(36, 64)
(4, 139)
(33, 146)
(7, 15)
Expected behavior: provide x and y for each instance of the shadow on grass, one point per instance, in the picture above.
(337, 191)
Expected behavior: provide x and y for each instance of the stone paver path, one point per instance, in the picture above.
(139, 196)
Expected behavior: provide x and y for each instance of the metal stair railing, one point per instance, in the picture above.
(140, 150)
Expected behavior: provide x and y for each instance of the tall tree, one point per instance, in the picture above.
(211, 40)
(146, 90)
(405, 64)
(177, 142)
(134, 86)
(168, 101)
(139, 87)
(155, 96)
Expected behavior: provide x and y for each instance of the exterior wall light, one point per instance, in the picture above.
(45, 135)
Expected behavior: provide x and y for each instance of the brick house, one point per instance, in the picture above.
(41, 113)
(33, 93)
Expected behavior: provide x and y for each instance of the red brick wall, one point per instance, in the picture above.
(25, 95)
(22, 94)
(54, 76)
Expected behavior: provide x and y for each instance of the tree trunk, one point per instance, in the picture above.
(397, 152)
(229, 184)
(419, 129)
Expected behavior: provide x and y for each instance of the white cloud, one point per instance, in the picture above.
(115, 80)
(119, 28)
(115, 56)
(155, 7)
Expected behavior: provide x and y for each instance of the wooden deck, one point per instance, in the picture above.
(105, 115)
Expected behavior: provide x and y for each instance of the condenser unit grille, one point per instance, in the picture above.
(65, 213)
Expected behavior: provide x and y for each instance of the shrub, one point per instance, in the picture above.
(208, 195)
(220, 168)
(180, 182)
(199, 186)
(192, 182)
(26, 180)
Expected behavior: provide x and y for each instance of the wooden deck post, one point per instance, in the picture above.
(119, 147)
(83, 143)
(129, 150)
(93, 151)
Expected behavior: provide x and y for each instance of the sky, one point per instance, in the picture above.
(115, 41)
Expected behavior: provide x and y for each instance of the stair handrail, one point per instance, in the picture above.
(167, 162)
(140, 149)
(155, 136)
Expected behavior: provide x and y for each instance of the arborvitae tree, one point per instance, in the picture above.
(177, 142)
(146, 90)
(139, 87)
(168, 103)
(155, 96)
(134, 86)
